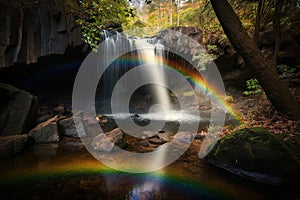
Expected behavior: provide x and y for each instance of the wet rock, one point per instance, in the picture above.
(147, 134)
(102, 119)
(92, 126)
(139, 120)
(258, 155)
(183, 137)
(106, 141)
(200, 135)
(46, 132)
(144, 144)
(157, 140)
(18, 110)
(164, 136)
(107, 124)
(12, 145)
(59, 110)
(137, 117)
(67, 127)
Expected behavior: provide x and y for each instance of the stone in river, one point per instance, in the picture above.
(148, 134)
(46, 132)
(257, 154)
(144, 144)
(60, 109)
(183, 137)
(68, 128)
(156, 140)
(18, 110)
(12, 145)
(102, 119)
(106, 141)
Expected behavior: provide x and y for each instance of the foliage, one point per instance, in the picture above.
(253, 87)
(289, 14)
(161, 14)
(212, 49)
(211, 26)
(203, 59)
(97, 15)
(286, 71)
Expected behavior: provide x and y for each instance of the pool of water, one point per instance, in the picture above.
(67, 171)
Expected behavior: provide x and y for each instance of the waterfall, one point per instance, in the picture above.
(113, 45)
(154, 55)
(140, 52)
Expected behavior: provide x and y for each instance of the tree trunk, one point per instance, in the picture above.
(276, 90)
(277, 29)
(258, 19)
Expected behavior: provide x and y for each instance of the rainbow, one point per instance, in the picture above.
(195, 77)
(89, 168)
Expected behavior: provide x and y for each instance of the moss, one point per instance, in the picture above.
(257, 150)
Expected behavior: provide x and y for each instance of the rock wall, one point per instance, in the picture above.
(229, 63)
(45, 29)
(174, 39)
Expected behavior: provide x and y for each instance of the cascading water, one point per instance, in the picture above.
(141, 52)
(154, 55)
(113, 44)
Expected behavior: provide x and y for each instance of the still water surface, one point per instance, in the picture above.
(67, 171)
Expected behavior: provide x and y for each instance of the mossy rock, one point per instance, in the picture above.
(257, 154)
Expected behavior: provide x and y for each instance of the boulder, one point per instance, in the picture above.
(180, 38)
(258, 155)
(46, 132)
(102, 119)
(18, 110)
(67, 128)
(106, 141)
(156, 140)
(12, 145)
(183, 137)
(92, 126)
(107, 123)
(59, 109)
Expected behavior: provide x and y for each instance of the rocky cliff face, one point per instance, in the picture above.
(228, 61)
(173, 38)
(48, 28)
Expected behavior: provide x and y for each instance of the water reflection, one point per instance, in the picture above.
(149, 189)
(68, 171)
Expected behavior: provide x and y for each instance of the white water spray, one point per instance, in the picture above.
(152, 55)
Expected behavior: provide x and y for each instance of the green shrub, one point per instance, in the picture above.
(286, 71)
(253, 87)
